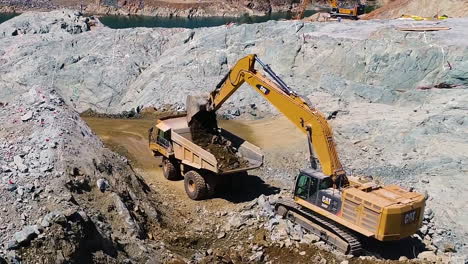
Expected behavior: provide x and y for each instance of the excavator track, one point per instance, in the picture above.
(332, 233)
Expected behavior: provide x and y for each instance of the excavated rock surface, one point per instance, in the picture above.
(65, 198)
(169, 8)
(382, 89)
(425, 8)
(53, 22)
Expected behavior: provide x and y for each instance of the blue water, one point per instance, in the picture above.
(5, 16)
(197, 22)
(179, 22)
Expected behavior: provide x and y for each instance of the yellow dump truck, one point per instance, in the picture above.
(171, 138)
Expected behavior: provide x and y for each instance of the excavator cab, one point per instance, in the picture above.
(317, 188)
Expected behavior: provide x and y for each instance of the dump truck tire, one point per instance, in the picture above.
(195, 185)
(170, 170)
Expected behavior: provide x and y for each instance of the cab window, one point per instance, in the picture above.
(325, 183)
(163, 138)
(302, 188)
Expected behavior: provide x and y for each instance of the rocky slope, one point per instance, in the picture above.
(425, 8)
(169, 8)
(60, 208)
(396, 100)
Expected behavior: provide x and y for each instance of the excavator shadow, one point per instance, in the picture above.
(408, 247)
(247, 189)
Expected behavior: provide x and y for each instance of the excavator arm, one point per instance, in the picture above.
(296, 108)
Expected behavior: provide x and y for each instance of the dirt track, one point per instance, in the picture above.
(193, 226)
(128, 137)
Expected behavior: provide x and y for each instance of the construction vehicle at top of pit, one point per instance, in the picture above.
(338, 208)
(172, 139)
(339, 8)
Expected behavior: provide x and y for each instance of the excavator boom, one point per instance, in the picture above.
(296, 108)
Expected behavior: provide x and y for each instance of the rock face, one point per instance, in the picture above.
(426, 8)
(43, 23)
(397, 101)
(115, 70)
(53, 161)
(168, 8)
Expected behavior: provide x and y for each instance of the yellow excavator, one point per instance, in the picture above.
(338, 9)
(340, 209)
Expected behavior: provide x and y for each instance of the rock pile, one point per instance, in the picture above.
(60, 208)
(43, 23)
(286, 234)
(282, 231)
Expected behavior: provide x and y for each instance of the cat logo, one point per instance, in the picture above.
(263, 89)
(409, 217)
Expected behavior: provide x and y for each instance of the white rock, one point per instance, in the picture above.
(102, 184)
(310, 238)
(19, 162)
(423, 230)
(257, 256)
(221, 235)
(25, 235)
(427, 256)
(27, 116)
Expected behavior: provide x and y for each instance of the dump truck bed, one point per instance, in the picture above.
(191, 154)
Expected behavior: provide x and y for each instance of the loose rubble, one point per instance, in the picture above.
(286, 234)
(398, 113)
(46, 191)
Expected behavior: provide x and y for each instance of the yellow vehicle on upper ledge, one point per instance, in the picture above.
(338, 9)
(338, 208)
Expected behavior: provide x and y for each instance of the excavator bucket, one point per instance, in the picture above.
(195, 104)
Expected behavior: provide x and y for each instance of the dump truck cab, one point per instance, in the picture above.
(160, 140)
(160, 135)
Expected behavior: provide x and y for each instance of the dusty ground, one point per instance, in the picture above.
(129, 138)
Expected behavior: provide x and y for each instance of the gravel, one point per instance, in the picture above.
(46, 190)
(380, 87)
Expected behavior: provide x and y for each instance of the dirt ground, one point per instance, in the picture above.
(129, 137)
(193, 226)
